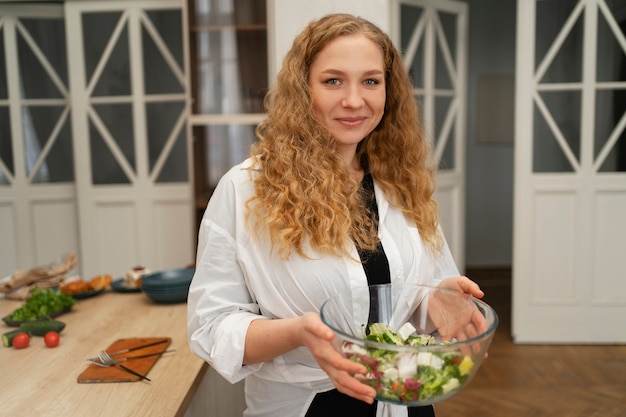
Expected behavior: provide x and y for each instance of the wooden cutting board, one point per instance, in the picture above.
(95, 373)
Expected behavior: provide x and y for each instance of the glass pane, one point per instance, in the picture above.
(159, 76)
(36, 82)
(104, 167)
(175, 167)
(169, 24)
(566, 65)
(97, 31)
(547, 155)
(49, 35)
(3, 68)
(39, 123)
(610, 108)
(409, 18)
(564, 108)
(161, 120)
(226, 146)
(616, 159)
(58, 163)
(611, 104)
(611, 62)
(118, 120)
(442, 106)
(443, 77)
(230, 48)
(6, 146)
(616, 8)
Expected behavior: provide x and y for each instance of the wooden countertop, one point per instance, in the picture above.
(40, 381)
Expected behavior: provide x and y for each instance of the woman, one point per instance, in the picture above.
(337, 194)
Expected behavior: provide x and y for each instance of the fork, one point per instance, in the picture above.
(158, 342)
(98, 361)
(107, 360)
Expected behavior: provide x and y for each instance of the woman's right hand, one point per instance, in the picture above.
(317, 338)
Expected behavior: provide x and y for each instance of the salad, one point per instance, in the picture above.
(406, 377)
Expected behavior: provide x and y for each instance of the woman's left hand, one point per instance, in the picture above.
(462, 284)
(454, 319)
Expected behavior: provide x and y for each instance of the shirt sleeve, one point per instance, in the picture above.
(445, 265)
(219, 306)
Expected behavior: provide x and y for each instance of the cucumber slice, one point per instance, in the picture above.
(7, 338)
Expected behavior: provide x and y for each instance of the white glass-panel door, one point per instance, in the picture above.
(432, 35)
(570, 172)
(37, 192)
(133, 156)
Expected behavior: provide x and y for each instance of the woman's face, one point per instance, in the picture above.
(347, 83)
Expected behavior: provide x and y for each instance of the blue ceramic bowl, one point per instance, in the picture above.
(168, 286)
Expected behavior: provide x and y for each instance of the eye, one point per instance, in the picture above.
(371, 81)
(332, 81)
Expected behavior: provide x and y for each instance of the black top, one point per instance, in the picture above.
(375, 263)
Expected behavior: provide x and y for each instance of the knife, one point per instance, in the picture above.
(119, 352)
(133, 372)
(147, 355)
(117, 363)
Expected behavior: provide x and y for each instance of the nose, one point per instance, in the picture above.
(353, 97)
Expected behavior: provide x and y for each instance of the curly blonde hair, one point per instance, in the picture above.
(304, 195)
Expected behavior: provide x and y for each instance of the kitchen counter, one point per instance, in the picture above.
(40, 381)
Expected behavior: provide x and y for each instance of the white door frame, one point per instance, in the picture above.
(37, 219)
(429, 33)
(569, 226)
(142, 222)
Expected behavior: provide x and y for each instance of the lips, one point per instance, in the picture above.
(351, 121)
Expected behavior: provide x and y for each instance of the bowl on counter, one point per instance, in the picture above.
(420, 344)
(168, 286)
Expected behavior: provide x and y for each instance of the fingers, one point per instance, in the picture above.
(462, 284)
(314, 325)
(470, 287)
(318, 339)
(344, 376)
(354, 388)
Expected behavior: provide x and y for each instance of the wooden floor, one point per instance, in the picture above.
(535, 381)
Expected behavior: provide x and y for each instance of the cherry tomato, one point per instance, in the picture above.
(51, 339)
(21, 340)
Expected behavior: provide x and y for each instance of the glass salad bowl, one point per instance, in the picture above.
(420, 344)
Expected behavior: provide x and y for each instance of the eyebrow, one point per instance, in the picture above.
(366, 73)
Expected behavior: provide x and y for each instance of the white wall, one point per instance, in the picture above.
(294, 15)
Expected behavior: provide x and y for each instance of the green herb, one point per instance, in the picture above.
(42, 303)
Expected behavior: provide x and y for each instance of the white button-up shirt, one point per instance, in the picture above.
(239, 279)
